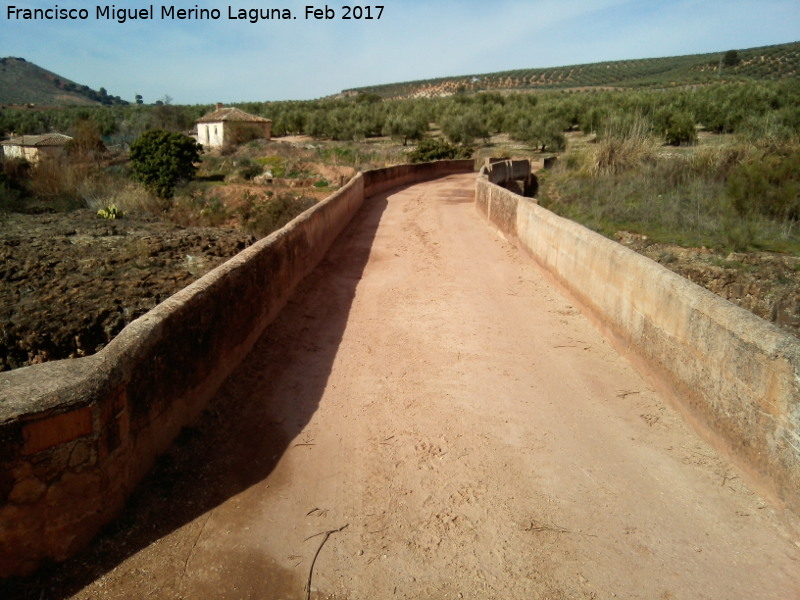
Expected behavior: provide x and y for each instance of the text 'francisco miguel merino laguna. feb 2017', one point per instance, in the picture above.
(111, 12)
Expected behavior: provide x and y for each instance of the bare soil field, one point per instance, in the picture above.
(69, 282)
(430, 418)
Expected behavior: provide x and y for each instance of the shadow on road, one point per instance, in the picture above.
(246, 428)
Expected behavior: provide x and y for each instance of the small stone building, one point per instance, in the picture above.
(226, 126)
(34, 148)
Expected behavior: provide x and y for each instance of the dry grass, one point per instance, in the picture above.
(681, 198)
(624, 144)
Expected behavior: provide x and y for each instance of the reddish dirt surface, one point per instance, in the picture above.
(430, 418)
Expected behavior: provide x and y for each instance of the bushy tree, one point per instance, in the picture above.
(437, 149)
(543, 131)
(731, 58)
(767, 184)
(677, 126)
(463, 128)
(405, 127)
(161, 159)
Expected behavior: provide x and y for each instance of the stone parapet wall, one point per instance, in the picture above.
(381, 180)
(737, 375)
(500, 171)
(76, 436)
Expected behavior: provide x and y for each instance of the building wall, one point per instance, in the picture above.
(210, 135)
(216, 135)
(28, 153)
(31, 153)
(239, 133)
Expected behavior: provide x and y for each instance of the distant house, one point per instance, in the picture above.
(227, 126)
(33, 148)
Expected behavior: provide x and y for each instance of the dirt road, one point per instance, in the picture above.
(429, 418)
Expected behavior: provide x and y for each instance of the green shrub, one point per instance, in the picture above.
(161, 159)
(677, 126)
(438, 149)
(767, 185)
(248, 169)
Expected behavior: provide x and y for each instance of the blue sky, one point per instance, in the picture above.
(204, 61)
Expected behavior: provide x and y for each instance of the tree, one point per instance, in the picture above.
(139, 99)
(677, 126)
(463, 128)
(430, 149)
(542, 131)
(161, 159)
(405, 127)
(731, 58)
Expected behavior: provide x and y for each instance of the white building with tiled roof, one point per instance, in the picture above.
(227, 126)
(34, 147)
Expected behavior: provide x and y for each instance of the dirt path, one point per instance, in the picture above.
(430, 393)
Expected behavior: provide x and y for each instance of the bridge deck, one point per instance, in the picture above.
(432, 393)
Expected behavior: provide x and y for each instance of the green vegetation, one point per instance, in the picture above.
(733, 197)
(161, 160)
(698, 150)
(22, 82)
(764, 63)
(438, 149)
(767, 184)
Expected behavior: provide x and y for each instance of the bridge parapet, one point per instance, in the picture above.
(77, 435)
(513, 174)
(734, 375)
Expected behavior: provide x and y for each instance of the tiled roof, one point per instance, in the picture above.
(45, 139)
(231, 114)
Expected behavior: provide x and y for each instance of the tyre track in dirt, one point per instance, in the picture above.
(429, 389)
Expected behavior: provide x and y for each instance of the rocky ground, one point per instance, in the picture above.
(69, 282)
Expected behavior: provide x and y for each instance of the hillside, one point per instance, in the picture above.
(768, 62)
(22, 82)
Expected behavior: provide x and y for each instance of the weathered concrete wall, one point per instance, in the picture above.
(737, 374)
(76, 436)
(501, 170)
(380, 180)
(512, 174)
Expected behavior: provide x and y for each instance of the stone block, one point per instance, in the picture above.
(52, 431)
